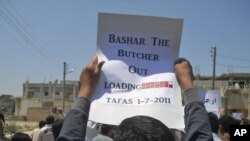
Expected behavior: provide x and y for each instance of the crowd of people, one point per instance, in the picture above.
(199, 125)
(48, 130)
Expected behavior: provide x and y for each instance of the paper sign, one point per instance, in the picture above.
(237, 115)
(137, 77)
(213, 101)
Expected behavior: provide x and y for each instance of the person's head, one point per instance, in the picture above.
(2, 117)
(225, 122)
(244, 120)
(222, 112)
(21, 137)
(50, 119)
(142, 128)
(214, 122)
(59, 110)
(56, 128)
(107, 130)
(42, 123)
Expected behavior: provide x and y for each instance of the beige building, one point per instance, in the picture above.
(44, 97)
(48, 92)
(234, 88)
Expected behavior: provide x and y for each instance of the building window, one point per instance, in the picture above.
(57, 93)
(46, 94)
(30, 94)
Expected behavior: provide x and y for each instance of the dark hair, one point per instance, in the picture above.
(42, 123)
(50, 119)
(21, 137)
(225, 122)
(142, 128)
(56, 128)
(107, 129)
(214, 122)
(2, 117)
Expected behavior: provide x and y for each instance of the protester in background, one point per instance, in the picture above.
(2, 126)
(214, 122)
(106, 133)
(222, 112)
(57, 112)
(91, 130)
(60, 113)
(225, 122)
(21, 137)
(46, 132)
(36, 131)
(56, 128)
(197, 125)
(244, 121)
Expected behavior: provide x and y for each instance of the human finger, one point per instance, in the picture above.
(99, 67)
(92, 64)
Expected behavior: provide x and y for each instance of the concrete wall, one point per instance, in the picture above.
(207, 84)
(22, 105)
(37, 114)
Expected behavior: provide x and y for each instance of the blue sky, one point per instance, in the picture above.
(37, 36)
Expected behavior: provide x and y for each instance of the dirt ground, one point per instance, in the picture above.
(19, 126)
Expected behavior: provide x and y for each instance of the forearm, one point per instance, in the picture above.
(197, 125)
(75, 123)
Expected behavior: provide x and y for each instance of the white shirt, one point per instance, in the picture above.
(35, 134)
(46, 133)
(91, 131)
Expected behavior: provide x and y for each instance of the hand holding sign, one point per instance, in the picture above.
(89, 78)
(184, 73)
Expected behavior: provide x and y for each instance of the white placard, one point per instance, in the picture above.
(213, 101)
(237, 115)
(137, 77)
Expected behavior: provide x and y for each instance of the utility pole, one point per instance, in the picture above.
(214, 64)
(64, 76)
(65, 71)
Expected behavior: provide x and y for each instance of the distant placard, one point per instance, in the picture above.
(137, 77)
(213, 101)
(237, 115)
